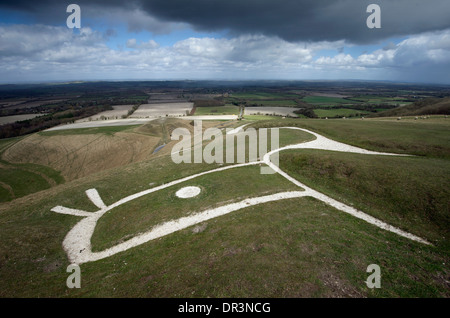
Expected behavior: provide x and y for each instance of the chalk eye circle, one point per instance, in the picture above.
(188, 192)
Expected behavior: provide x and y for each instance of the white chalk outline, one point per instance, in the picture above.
(77, 242)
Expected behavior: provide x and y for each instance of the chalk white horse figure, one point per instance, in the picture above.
(77, 242)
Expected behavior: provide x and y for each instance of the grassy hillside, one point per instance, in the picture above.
(428, 138)
(78, 153)
(18, 180)
(430, 106)
(291, 248)
(82, 153)
(42, 160)
(409, 192)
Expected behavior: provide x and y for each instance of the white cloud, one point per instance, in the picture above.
(37, 52)
(423, 57)
(149, 45)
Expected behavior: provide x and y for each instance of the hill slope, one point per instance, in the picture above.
(298, 247)
(429, 106)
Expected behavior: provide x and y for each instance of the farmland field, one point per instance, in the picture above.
(272, 103)
(262, 95)
(217, 110)
(161, 110)
(117, 113)
(32, 104)
(325, 100)
(13, 119)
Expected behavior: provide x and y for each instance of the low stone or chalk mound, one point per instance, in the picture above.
(188, 192)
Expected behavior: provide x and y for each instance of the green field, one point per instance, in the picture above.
(253, 118)
(107, 130)
(375, 99)
(217, 110)
(319, 100)
(339, 112)
(262, 95)
(273, 103)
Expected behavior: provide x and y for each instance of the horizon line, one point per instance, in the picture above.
(216, 80)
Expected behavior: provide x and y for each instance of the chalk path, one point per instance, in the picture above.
(77, 242)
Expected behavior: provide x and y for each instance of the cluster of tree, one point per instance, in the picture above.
(131, 111)
(240, 102)
(47, 121)
(308, 112)
(20, 111)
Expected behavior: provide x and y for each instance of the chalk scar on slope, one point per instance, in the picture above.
(77, 242)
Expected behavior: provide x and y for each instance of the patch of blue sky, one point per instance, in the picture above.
(358, 50)
(15, 17)
(117, 37)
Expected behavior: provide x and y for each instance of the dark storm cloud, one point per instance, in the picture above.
(292, 20)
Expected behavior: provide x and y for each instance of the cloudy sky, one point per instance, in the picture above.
(225, 39)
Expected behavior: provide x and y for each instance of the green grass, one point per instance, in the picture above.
(8, 142)
(217, 110)
(273, 103)
(259, 117)
(217, 188)
(262, 95)
(324, 101)
(107, 130)
(22, 182)
(284, 249)
(18, 180)
(5, 194)
(408, 192)
(24, 179)
(285, 137)
(420, 138)
(291, 248)
(317, 100)
(293, 136)
(339, 112)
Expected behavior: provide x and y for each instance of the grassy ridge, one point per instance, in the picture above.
(427, 106)
(430, 139)
(107, 130)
